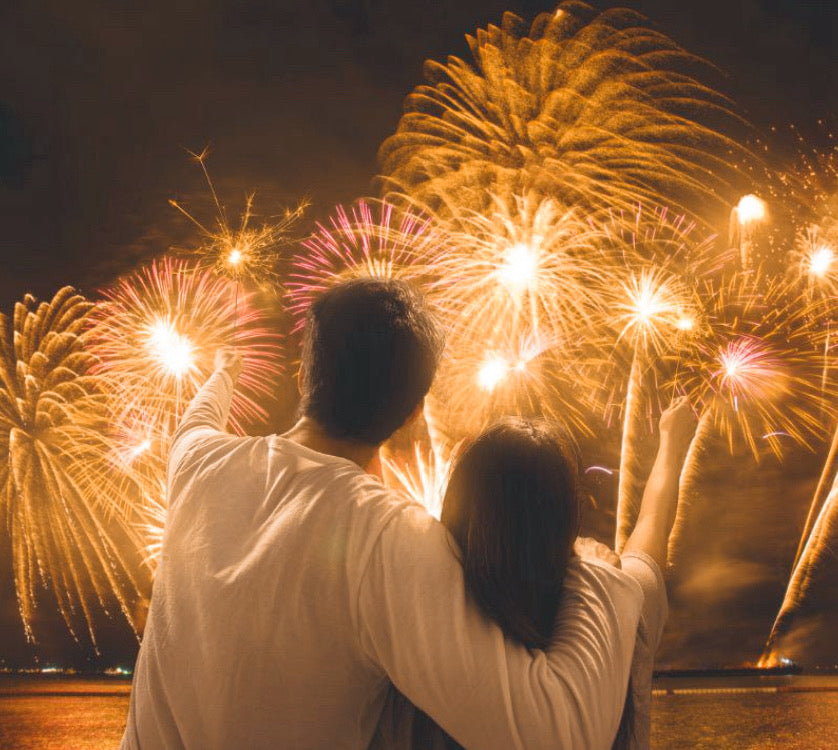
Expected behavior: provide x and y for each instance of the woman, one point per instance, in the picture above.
(512, 507)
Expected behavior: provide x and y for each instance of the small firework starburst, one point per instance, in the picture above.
(244, 252)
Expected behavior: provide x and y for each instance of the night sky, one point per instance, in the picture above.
(99, 102)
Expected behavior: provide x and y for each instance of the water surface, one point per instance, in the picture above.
(789, 713)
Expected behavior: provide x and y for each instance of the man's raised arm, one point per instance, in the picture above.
(416, 622)
(209, 410)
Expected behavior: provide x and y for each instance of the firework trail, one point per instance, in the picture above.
(155, 336)
(371, 239)
(823, 529)
(243, 253)
(63, 495)
(687, 496)
(594, 109)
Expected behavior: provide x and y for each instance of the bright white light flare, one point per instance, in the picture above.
(751, 209)
(492, 372)
(172, 350)
(821, 261)
(519, 271)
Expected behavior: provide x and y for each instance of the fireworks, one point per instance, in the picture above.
(652, 309)
(518, 292)
(814, 261)
(526, 264)
(423, 479)
(62, 493)
(155, 336)
(756, 368)
(372, 239)
(595, 110)
(245, 252)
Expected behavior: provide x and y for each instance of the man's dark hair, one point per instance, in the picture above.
(370, 351)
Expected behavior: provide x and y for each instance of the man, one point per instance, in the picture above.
(293, 585)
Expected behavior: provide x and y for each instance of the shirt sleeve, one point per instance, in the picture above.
(655, 611)
(418, 625)
(646, 572)
(205, 418)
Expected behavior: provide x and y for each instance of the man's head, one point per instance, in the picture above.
(370, 352)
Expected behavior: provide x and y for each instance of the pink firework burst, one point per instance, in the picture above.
(372, 239)
(155, 335)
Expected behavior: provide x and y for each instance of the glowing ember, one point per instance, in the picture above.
(751, 209)
(821, 260)
(140, 448)
(493, 371)
(235, 257)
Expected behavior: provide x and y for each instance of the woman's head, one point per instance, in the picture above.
(512, 506)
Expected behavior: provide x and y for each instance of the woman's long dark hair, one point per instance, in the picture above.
(512, 505)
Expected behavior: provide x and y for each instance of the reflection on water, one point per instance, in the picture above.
(56, 713)
(792, 713)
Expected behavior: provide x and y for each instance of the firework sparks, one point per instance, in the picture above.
(652, 316)
(821, 261)
(756, 367)
(750, 210)
(651, 309)
(492, 372)
(520, 372)
(527, 263)
(152, 511)
(372, 239)
(424, 479)
(537, 111)
(243, 252)
(155, 336)
(63, 495)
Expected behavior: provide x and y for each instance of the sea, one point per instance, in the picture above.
(60, 712)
